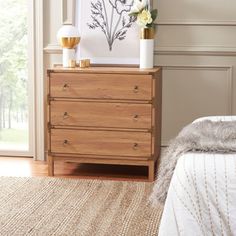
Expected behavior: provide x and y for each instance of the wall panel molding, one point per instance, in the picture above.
(193, 50)
(227, 68)
(196, 50)
(53, 49)
(171, 126)
(195, 23)
(68, 11)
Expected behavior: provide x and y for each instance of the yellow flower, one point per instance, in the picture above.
(144, 18)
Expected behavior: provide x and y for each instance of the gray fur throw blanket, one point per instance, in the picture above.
(202, 136)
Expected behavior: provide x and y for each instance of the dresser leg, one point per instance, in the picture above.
(50, 165)
(151, 171)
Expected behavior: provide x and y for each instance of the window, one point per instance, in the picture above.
(16, 98)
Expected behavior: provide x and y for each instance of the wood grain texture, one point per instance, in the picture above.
(157, 112)
(102, 114)
(100, 142)
(105, 70)
(64, 168)
(100, 86)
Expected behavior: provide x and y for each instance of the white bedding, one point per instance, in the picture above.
(202, 196)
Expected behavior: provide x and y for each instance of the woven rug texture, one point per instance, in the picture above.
(51, 206)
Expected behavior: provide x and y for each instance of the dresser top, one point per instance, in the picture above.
(105, 70)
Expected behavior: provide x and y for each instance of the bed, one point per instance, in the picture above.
(201, 199)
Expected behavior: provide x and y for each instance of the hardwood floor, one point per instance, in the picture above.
(26, 167)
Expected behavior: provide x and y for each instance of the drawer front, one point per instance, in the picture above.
(95, 114)
(113, 143)
(101, 86)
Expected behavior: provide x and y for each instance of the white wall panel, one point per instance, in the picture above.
(196, 10)
(195, 36)
(194, 91)
(68, 15)
(54, 15)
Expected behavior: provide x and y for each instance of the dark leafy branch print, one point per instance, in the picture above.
(114, 28)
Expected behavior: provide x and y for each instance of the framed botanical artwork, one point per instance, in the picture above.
(108, 34)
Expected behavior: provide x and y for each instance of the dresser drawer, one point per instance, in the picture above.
(101, 86)
(113, 143)
(99, 114)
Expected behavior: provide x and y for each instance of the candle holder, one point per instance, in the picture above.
(85, 63)
(82, 64)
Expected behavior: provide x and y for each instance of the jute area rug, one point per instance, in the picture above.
(50, 206)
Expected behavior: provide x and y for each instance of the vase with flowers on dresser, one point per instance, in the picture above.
(145, 17)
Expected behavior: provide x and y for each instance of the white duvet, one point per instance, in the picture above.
(202, 196)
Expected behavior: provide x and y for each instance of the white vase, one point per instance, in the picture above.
(68, 55)
(146, 48)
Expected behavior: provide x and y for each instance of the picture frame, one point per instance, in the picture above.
(108, 34)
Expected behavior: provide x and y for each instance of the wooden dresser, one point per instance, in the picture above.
(106, 115)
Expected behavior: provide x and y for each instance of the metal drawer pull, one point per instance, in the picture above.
(136, 88)
(135, 118)
(65, 86)
(135, 146)
(65, 116)
(65, 142)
